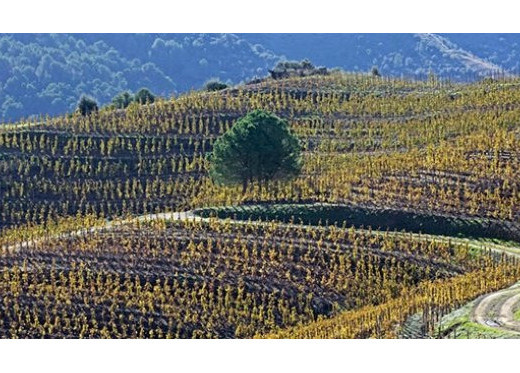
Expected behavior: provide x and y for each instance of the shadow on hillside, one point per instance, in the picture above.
(360, 217)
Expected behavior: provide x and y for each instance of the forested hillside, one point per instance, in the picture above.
(457, 56)
(46, 73)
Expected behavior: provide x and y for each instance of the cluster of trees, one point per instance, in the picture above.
(215, 85)
(124, 99)
(88, 105)
(454, 56)
(45, 74)
(288, 69)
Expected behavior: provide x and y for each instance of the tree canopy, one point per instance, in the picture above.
(144, 96)
(87, 105)
(259, 147)
(122, 100)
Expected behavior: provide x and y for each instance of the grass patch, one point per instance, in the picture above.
(517, 315)
(458, 325)
(471, 330)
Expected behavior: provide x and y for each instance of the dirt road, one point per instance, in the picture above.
(497, 310)
(185, 215)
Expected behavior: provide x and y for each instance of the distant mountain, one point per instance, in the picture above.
(458, 56)
(46, 73)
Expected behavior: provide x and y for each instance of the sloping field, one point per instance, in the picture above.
(213, 279)
(452, 149)
(432, 151)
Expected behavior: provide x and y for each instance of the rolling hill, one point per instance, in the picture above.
(407, 208)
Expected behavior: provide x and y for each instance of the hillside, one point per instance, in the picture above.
(46, 73)
(403, 185)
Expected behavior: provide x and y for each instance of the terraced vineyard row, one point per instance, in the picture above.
(196, 279)
(432, 148)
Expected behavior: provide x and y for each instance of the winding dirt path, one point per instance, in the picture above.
(496, 310)
(184, 215)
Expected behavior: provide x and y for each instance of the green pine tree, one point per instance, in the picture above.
(259, 147)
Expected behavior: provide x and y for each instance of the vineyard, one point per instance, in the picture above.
(408, 205)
